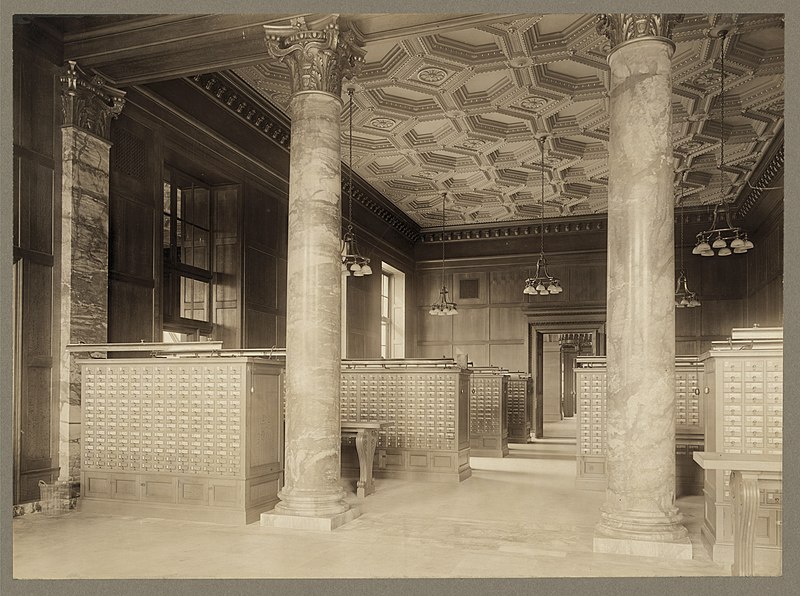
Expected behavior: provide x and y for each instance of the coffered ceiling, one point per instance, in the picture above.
(457, 108)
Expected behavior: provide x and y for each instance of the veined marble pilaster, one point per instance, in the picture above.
(88, 106)
(317, 59)
(639, 510)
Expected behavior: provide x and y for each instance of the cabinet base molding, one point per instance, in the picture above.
(232, 517)
(473, 452)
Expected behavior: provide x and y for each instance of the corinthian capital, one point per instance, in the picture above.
(622, 28)
(318, 59)
(89, 103)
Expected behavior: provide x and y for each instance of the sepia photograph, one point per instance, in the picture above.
(472, 297)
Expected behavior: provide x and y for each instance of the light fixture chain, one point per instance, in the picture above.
(350, 162)
(444, 197)
(722, 121)
(541, 225)
(681, 216)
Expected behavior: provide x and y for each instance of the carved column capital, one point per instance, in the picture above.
(87, 102)
(620, 29)
(318, 59)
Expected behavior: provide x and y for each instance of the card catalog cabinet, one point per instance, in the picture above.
(428, 408)
(188, 438)
(744, 414)
(520, 408)
(488, 404)
(590, 383)
(688, 426)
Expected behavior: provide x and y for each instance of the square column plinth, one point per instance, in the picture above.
(323, 523)
(679, 549)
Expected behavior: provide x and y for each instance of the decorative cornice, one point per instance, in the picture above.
(598, 224)
(89, 103)
(772, 169)
(318, 59)
(626, 27)
(227, 91)
(407, 228)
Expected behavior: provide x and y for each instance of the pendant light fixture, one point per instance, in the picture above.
(443, 307)
(726, 239)
(684, 297)
(542, 284)
(352, 261)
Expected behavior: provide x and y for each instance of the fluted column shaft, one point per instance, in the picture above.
(639, 501)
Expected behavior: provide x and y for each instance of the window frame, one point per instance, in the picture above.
(174, 270)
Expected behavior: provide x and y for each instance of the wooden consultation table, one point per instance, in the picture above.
(366, 434)
(746, 470)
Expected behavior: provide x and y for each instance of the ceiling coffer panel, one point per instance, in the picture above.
(456, 109)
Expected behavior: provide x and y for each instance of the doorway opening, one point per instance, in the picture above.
(555, 345)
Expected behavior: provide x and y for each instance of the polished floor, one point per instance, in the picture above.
(520, 516)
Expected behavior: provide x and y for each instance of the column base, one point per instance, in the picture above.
(678, 549)
(319, 523)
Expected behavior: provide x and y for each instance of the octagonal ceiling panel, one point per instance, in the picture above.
(457, 109)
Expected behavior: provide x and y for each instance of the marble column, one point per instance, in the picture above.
(88, 105)
(312, 496)
(639, 515)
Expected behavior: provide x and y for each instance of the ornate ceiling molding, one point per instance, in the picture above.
(767, 175)
(225, 90)
(568, 226)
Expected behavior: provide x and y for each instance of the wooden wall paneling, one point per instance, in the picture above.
(470, 288)
(261, 329)
(720, 278)
(513, 357)
(134, 233)
(585, 284)
(506, 285)
(36, 206)
(507, 323)
(470, 325)
(265, 224)
(132, 305)
(477, 353)
(38, 400)
(358, 317)
(440, 350)
(434, 328)
(687, 347)
(261, 274)
(227, 265)
(35, 87)
(687, 320)
(428, 285)
(35, 195)
(718, 317)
